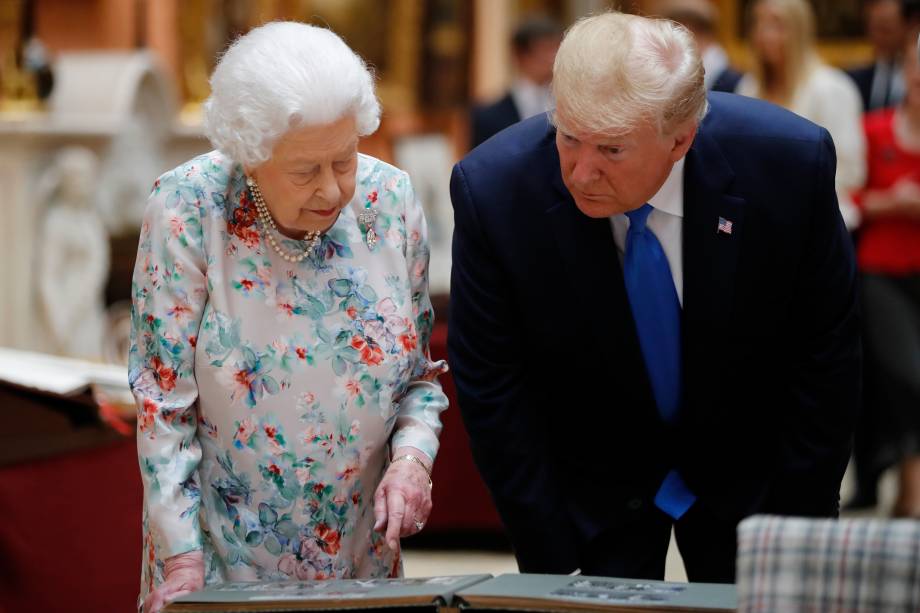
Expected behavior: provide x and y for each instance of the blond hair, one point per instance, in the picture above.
(800, 55)
(614, 71)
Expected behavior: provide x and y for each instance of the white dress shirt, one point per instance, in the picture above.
(529, 98)
(665, 222)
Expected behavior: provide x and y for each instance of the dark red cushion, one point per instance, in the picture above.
(70, 532)
(461, 500)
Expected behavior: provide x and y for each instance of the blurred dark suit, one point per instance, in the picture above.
(727, 81)
(888, 92)
(488, 120)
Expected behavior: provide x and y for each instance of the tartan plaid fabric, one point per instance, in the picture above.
(792, 565)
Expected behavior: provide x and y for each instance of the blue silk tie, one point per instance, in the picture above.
(656, 311)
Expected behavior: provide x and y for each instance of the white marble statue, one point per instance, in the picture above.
(72, 253)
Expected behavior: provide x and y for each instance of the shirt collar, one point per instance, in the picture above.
(670, 197)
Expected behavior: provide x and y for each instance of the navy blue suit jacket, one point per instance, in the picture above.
(727, 81)
(863, 77)
(488, 120)
(544, 353)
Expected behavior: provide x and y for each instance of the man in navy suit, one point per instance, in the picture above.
(701, 18)
(653, 319)
(880, 83)
(534, 46)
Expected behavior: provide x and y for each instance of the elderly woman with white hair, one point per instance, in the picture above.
(288, 412)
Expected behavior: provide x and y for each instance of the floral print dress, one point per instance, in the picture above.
(270, 392)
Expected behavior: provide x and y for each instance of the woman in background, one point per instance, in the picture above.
(787, 71)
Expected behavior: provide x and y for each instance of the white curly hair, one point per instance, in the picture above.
(281, 76)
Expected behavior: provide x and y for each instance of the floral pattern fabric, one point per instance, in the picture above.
(269, 392)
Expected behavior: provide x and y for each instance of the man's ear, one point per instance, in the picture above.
(683, 139)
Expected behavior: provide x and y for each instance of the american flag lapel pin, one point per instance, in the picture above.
(725, 226)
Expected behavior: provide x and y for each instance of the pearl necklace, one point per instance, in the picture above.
(312, 238)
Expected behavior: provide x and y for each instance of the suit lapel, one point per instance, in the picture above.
(710, 257)
(586, 249)
(589, 258)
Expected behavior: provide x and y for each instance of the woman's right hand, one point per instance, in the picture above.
(902, 198)
(184, 574)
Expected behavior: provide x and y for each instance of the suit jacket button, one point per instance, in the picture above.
(634, 504)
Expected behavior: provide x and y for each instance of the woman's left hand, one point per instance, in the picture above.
(403, 498)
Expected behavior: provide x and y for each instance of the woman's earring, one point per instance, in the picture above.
(367, 218)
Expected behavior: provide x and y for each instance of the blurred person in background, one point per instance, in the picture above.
(288, 412)
(788, 71)
(701, 17)
(888, 254)
(881, 83)
(534, 45)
